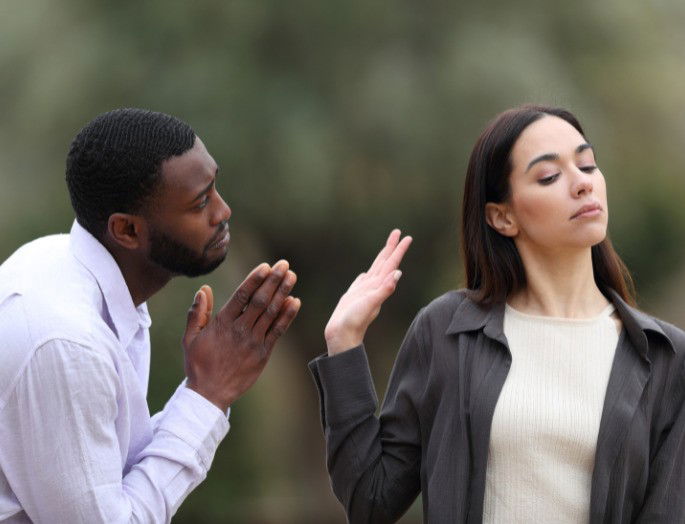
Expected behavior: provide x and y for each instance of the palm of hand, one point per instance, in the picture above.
(361, 303)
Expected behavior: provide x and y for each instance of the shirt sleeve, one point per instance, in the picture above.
(374, 462)
(62, 437)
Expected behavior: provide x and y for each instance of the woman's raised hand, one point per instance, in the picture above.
(360, 304)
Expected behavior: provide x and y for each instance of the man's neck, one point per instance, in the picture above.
(143, 279)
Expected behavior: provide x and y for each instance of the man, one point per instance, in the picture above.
(77, 443)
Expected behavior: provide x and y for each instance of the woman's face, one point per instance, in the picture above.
(557, 194)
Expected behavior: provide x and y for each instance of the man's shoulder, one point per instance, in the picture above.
(46, 295)
(33, 262)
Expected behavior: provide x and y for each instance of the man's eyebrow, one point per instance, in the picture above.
(583, 147)
(204, 191)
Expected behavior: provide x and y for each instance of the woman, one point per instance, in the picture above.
(538, 393)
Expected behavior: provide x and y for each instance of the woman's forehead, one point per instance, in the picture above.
(549, 134)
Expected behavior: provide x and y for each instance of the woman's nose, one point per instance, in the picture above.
(583, 184)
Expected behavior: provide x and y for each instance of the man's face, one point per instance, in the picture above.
(188, 220)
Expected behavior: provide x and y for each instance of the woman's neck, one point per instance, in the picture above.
(558, 285)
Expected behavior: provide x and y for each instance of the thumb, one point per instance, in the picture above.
(209, 295)
(198, 315)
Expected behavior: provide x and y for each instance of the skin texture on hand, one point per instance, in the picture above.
(226, 354)
(362, 302)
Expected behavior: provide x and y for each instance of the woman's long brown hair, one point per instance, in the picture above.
(494, 269)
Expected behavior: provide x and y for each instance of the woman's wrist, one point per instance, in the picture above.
(340, 340)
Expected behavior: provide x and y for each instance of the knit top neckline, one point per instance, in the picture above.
(606, 312)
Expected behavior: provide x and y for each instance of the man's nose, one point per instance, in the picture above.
(223, 211)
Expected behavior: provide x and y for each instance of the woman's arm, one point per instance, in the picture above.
(374, 462)
(665, 499)
(362, 302)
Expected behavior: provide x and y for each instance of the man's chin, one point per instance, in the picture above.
(198, 271)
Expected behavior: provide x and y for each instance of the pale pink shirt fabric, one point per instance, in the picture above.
(77, 443)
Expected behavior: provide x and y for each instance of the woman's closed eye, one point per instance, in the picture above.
(546, 180)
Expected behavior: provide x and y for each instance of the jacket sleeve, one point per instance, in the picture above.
(665, 497)
(374, 462)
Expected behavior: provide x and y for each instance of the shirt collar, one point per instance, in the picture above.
(126, 318)
(471, 316)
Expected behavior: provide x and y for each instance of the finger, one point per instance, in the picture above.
(380, 293)
(274, 308)
(209, 296)
(262, 297)
(241, 297)
(393, 261)
(195, 320)
(384, 253)
(387, 287)
(288, 313)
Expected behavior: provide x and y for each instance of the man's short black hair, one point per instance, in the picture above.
(114, 163)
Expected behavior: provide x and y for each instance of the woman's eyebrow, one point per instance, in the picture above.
(554, 156)
(542, 158)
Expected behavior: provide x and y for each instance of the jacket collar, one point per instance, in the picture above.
(638, 324)
(471, 316)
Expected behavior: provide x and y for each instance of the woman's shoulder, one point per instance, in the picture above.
(447, 304)
(674, 334)
(451, 308)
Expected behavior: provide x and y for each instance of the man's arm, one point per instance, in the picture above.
(61, 450)
(65, 436)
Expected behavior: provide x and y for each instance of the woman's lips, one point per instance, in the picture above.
(588, 211)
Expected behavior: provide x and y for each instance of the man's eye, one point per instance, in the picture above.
(203, 202)
(548, 179)
(588, 169)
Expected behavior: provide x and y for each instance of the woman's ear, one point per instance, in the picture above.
(500, 218)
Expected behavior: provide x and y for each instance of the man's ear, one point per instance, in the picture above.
(500, 218)
(126, 230)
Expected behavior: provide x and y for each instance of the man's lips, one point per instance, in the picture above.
(589, 210)
(221, 240)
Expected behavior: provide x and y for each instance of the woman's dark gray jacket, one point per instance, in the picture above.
(433, 431)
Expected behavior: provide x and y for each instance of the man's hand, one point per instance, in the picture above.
(225, 355)
(362, 302)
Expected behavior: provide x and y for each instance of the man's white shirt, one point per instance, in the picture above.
(77, 443)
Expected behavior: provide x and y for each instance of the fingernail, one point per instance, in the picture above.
(264, 269)
(280, 267)
(396, 275)
(196, 300)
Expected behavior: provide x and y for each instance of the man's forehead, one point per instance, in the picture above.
(194, 168)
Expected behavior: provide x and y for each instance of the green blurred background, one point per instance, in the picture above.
(333, 122)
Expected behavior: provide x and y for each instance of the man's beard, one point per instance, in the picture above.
(178, 258)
